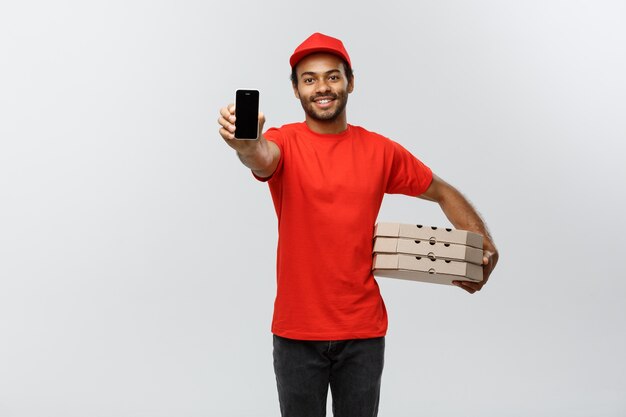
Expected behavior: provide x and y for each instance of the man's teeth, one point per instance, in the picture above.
(323, 101)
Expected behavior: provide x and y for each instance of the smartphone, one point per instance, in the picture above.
(247, 114)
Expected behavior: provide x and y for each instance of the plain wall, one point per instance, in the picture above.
(137, 254)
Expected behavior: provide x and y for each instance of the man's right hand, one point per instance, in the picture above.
(260, 155)
(227, 131)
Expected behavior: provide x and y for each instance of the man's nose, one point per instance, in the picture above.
(323, 87)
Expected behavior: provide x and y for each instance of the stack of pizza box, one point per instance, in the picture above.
(428, 254)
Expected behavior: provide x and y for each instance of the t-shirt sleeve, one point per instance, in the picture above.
(407, 174)
(274, 135)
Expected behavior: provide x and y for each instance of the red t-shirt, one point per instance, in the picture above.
(327, 191)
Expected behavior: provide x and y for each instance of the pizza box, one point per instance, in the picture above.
(416, 268)
(429, 249)
(430, 233)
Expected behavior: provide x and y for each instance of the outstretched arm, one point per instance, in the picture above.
(463, 216)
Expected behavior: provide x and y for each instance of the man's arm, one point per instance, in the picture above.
(260, 155)
(463, 217)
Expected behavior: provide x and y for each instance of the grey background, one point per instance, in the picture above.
(137, 254)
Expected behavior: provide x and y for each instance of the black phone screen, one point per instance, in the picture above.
(246, 114)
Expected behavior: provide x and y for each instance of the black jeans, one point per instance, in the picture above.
(305, 369)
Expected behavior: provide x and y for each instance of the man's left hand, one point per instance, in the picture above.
(490, 259)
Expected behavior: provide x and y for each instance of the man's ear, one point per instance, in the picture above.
(351, 84)
(295, 91)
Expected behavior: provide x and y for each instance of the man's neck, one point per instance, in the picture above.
(328, 127)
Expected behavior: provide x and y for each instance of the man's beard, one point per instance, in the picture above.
(324, 115)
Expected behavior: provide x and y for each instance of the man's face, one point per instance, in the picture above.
(322, 87)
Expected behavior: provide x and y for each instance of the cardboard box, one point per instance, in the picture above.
(429, 249)
(416, 268)
(429, 233)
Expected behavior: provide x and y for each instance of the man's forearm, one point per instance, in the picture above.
(463, 215)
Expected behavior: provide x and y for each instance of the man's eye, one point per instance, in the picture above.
(334, 77)
(308, 80)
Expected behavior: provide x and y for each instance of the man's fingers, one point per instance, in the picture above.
(228, 113)
(226, 134)
(486, 257)
(470, 287)
(230, 109)
(226, 125)
(227, 122)
(489, 262)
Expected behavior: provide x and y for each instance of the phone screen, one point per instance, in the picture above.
(246, 114)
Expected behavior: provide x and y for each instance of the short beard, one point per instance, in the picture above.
(307, 105)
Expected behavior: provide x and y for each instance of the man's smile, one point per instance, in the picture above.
(324, 102)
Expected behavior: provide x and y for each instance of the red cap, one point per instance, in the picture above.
(319, 42)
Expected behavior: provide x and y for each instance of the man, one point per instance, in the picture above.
(327, 180)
